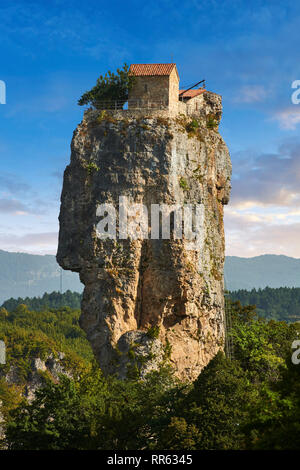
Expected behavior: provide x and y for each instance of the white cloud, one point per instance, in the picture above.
(267, 180)
(36, 243)
(12, 206)
(251, 94)
(253, 234)
(288, 118)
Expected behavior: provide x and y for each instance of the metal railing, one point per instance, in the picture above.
(229, 346)
(131, 104)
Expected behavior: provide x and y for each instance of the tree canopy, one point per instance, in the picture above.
(282, 303)
(54, 300)
(248, 402)
(109, 88)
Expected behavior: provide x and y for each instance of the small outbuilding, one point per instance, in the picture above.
(192, 100)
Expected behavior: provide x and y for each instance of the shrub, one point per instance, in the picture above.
(153, 332)
(211, 122)
(183, 184)
(192, 126)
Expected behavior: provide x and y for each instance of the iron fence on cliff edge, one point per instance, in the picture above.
(116, 105)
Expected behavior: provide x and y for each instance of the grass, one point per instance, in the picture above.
(183, 184)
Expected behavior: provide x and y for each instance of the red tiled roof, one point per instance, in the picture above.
(191, 93)
(151, 69)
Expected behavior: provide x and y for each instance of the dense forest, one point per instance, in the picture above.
(279, 304)
(53, 300)
(282, 303)
(250, 401)
(23, 329)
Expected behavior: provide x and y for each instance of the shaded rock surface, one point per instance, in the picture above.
(52, 367)
(131, 285)
(138, 354)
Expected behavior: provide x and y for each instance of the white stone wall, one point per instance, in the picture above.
(173, 92)
(149, 92)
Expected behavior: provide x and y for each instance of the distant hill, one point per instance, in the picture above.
(24, 275)
(261, 271)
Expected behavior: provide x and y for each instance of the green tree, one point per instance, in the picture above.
(260, 347)
(274, 422)
(111, 87)
(56, 419)
(219, 404)
(93, 412)
(179, 435)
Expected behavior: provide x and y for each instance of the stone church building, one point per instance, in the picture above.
(157, 87)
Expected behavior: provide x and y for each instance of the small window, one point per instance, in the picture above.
(146, 88)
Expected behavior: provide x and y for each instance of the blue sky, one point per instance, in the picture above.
(247, 51)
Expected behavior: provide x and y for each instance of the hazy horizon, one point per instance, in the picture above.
(227, 256)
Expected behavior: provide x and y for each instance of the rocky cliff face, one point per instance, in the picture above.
(148, 300)
(51, 368)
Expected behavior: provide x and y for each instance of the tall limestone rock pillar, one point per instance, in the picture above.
(148, 300)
